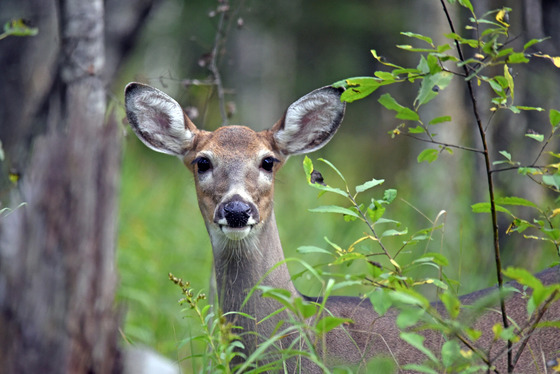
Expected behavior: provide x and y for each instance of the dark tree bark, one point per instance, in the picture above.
(57, 252)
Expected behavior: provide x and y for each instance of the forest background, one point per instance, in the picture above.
(269, 54)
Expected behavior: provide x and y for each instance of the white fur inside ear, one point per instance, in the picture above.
(158, 120)
(311, 121)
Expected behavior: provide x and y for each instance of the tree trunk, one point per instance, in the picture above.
(57, 268)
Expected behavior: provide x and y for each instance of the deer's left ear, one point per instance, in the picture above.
(310, 122)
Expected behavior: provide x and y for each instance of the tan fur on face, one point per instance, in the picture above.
(236, 154)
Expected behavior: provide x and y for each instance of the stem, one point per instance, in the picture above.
(370, 226)
(490, 181)
(218, 41)
(539, 316)
(447, 145)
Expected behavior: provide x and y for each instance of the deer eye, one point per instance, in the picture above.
(268, 163)
(202, 164)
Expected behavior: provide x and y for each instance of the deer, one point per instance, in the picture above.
(234, 170)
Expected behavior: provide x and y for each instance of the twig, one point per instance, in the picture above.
(516, 167)
(370, 226)
(533, 325)
(213, 66)
(544, 146)
(431, 140)
(490, 180)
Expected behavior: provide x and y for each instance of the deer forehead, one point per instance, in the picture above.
(236, 154)
(233, 145)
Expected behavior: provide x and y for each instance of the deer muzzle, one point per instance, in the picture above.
(236, 217)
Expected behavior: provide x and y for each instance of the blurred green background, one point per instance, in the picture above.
(275, 52)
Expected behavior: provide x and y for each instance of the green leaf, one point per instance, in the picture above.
(409, 297)
(537, 137)
(348, 256)
(428, 155)
(333, 167)
(375, 212)
(423, 66)
(402, 112)
(553, 234)
(496, 86)
(416, 130)
(381, 301)
(431, 85)
(328, 323)
(390, 195)
(554, 117)
(312, 249)
(322, 188)
(523, 107)
(524, 277)
(532, 42)
(418, 36)
(485, 208)
(450, 352)
(452, 304)
(467, 4)
(437, 258)
(307, 168)
(370, 184)
(527, 170)
(514, 200)
(517, 58)
(506, 154)
(417, 341)
(377, 364)
(305, 308)
(381, 59)
(409, 317)
(361, 87)
(552, 180)
(441, 119)
(473, 43)
(417, 367)
(18, 27)
(394, 233)
(384, 75)
(509, 79)
(334, 209)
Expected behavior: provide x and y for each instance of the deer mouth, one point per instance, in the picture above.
(236, 233)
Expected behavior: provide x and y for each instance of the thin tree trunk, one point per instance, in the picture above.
(57, 271)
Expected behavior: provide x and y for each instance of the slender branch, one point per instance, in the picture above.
(213, 66)
(533, 325)
(516, 167)
(370, 226)
(490, 181)
(544, 146)
(431, 140)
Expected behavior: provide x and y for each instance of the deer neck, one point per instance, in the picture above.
(240, 265)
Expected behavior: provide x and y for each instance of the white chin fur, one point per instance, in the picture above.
(236, 233)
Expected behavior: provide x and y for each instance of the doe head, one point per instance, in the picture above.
(233, 167)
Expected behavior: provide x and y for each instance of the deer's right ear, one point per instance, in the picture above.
(158, 120)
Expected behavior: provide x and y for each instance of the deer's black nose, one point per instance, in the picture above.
(237, 213)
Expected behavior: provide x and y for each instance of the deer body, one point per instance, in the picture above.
(234, 169)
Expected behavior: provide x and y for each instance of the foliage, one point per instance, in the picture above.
(394, 284)
(217, 333)
(18, 27)
(437, 66)
(390, 276)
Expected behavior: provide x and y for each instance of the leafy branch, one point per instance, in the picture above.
(491, 48)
